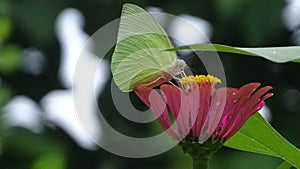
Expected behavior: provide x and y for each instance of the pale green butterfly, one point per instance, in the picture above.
(139, 56)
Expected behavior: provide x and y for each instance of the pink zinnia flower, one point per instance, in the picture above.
(200, 110)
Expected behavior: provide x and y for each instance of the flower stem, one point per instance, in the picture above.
(200, 152)
(200, 163)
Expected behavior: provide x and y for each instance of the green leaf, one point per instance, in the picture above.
(275, 54)
(259, 136)
(284, 165)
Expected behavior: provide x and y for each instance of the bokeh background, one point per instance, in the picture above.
(38, 129)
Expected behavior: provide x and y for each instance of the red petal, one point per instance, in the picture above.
(204, 106)
(245, 92)
(158, 106)
(194, 106)
(178, 104)
(249, 103)
(267, 96)
(143, 93)
(232, 96)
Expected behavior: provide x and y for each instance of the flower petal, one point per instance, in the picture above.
(232, 96)
(248, 104)
(204, 106)
(251, 106)
(195, 115)
(178, 103)
(158, 106)
(243, 94)
(221, 110)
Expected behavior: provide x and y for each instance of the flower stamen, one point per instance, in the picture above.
(190, 83)
(209, 80)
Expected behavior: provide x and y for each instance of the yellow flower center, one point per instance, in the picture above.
(209, 79)
(189, 81)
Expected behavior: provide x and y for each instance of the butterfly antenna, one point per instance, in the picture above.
(182, 73)
(172, 82)
(176, 78)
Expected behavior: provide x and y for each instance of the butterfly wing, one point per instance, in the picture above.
(138, 57)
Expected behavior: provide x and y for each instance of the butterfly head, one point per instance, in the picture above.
(179, 67)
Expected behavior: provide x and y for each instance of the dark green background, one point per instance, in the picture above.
(235, 22)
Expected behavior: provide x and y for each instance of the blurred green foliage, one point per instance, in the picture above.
(10, 58)
(4, 29)
(5, 94)
(30, 23)
(50, 161)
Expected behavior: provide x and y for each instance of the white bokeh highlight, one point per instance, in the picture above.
(72, 39)
(291, 14)
(189, 30)
(58, 106)
(185, 29)
(266, 113)
(21, 111)
(157, 14)
(33, 61)
(291, 19)
(296, 37)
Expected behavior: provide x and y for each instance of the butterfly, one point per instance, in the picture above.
(140, 55)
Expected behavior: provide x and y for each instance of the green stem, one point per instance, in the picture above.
(201, 152)
(200, 163)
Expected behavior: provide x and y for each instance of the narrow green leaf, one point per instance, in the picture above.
(275, 54)
(284, 165)
(259, 136)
